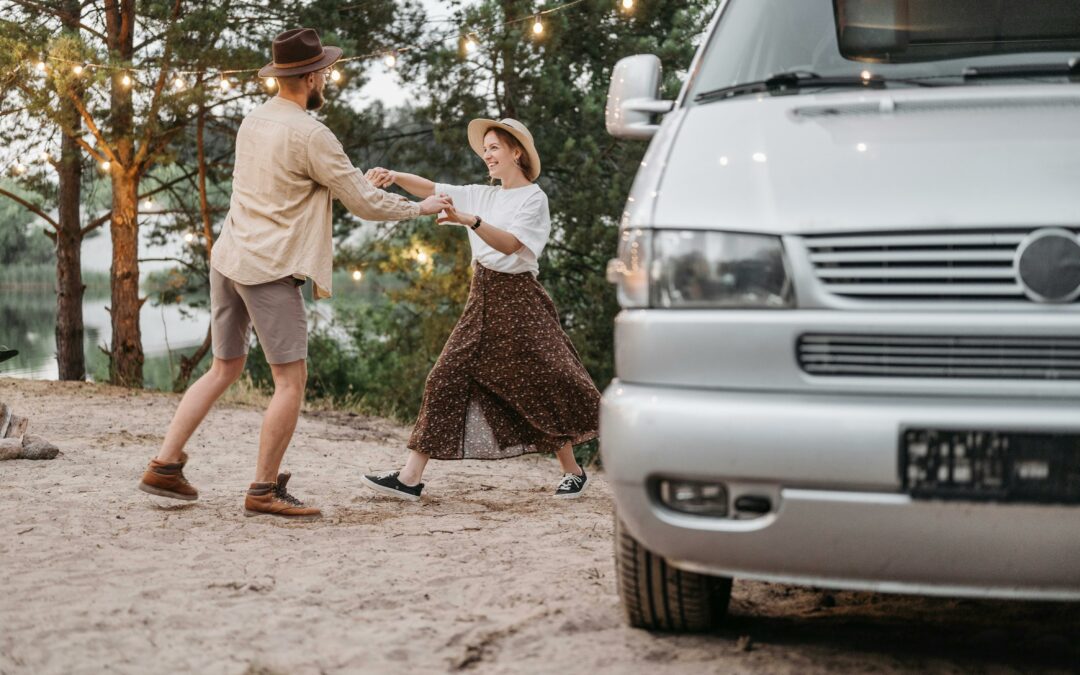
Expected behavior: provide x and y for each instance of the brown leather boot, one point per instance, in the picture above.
(167, 480)
(271, 499)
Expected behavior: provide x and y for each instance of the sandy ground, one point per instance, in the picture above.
(487, 575)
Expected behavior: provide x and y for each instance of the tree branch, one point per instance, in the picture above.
(155, 102)
(63, 16)
(175, 260)
(92, 126)
(31, 208)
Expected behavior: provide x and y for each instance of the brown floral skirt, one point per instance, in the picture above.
(508, 381)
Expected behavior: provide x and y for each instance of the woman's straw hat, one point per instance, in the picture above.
(478, 128)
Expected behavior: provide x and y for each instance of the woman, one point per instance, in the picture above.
(508, 381)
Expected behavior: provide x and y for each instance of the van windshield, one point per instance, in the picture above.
(905, 41)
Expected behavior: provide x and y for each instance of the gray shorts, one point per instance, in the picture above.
(275, 308)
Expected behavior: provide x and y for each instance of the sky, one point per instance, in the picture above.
(383, 83)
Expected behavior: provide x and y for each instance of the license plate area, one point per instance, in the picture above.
(990, 465)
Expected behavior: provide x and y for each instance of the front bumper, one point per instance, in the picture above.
(830, 465)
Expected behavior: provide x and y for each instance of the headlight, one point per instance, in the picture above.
(701, 269)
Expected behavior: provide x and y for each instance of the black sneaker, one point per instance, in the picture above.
(388, 484)
(572, 486)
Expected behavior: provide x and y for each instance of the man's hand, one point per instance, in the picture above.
(380, 177)
(436, 203)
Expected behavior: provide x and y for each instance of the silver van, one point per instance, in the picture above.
(849, 349)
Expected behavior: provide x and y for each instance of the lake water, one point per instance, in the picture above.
(28, 321)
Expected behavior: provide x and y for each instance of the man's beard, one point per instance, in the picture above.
(315, 100)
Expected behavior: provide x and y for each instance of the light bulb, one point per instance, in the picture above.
(106, 165)
(537, 26)
(41, 66)
(390, 60)
(421, 257)
(189, 237)
(628, 4)
(335, 75)
(866, 74)
(19, 168)
(357, 275)
(470, 45)
(224, 84)
(125, 80)
(77, 69)
(271, 82)
(149, 203)
(179, 83)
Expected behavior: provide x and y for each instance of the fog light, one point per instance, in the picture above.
(690, 496)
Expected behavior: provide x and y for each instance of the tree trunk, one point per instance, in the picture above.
(70, 357)
(126, 355)
(126, 366)
(69, 284)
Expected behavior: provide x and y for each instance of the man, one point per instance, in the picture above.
(289, 168)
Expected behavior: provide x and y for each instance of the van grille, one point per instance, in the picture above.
(919, 265)
(940, 356)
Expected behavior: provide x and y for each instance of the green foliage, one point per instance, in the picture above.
(21, 243)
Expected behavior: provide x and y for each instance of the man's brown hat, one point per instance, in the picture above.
(299, 51)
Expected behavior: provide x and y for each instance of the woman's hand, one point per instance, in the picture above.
(452, 216)
(380, 177)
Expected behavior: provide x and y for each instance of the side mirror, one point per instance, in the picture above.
(634, 97)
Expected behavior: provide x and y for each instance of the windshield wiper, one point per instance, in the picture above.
(1069, 69)
(785, 83)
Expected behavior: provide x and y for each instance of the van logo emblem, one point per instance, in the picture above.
(1047, 265)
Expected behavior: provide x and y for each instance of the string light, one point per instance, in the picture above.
(357, 275)
(179, 84)
(271, 82)
(106, 165)
(224, 84)
(19, 169)
(390, 59)
(335, 75)
(189, 237)
(421, 256)
(149, 203)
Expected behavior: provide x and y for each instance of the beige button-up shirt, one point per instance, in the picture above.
(289, 169)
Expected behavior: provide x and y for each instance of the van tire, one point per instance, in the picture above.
(657, 596)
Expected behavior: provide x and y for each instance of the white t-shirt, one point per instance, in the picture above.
(523, 212)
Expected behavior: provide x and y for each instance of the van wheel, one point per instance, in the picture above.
(657, 596)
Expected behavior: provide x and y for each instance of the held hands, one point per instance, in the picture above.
(436, 203)
(380, 177)
(384, 178)
(455, 217)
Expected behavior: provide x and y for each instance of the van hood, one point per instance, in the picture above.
(960, 157)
